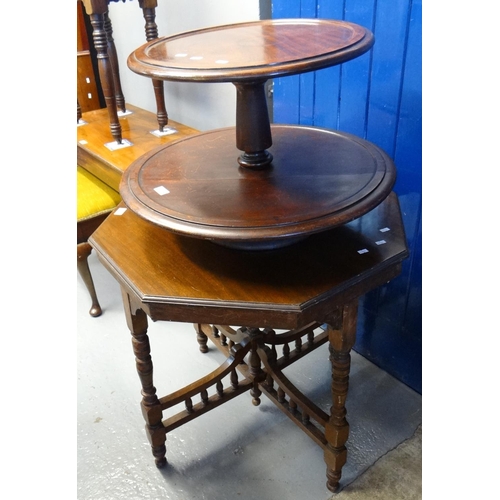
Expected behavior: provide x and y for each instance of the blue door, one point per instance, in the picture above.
(377, 96)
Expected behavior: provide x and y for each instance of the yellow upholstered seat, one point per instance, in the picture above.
(95, 201)
(93, 196)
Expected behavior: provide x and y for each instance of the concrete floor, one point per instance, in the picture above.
(237, 451)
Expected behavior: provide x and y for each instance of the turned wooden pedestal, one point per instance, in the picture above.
(309, 289)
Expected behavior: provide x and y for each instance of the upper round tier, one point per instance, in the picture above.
(252, 50)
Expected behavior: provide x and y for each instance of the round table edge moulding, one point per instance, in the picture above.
(139, 62)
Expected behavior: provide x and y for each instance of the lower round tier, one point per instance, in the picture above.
(318, 179)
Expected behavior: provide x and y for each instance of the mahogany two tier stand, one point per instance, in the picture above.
(269, 227)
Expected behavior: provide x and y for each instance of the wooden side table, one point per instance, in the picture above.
(309, 289)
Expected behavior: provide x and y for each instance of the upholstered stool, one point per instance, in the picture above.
(95, 201)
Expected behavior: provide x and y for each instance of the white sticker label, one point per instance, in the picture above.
(384, 230)
(364, 250)
(381, 242)
(165, 131)
(113, 146)
(120, 211)
(161, 190)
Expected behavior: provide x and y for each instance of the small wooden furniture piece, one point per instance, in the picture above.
(298, 288)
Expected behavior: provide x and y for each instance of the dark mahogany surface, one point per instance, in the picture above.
(318, 179)
(245, 51)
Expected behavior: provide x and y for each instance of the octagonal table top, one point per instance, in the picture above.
(180, 278)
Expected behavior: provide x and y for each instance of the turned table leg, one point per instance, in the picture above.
(337, 427)
(138, 324)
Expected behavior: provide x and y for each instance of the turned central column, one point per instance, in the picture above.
(253, 130)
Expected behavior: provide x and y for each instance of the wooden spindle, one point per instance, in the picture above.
(220, 388)
(204, 397)
(256, 372)
(298, 344)
(234, 379)
(201, 338)
(189, 405)
(281, 395)
(310, 338)
(305, 417)
(274, 355)
(286, 351)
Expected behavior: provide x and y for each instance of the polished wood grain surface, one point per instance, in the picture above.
(247, 51)
(108, 165)
(186, 279)
(318, 179)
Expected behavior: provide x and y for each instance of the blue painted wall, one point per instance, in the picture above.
(378, 97)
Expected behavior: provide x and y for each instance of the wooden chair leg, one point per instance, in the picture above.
(106, 73)
(83, 251)
(149, 11)
(113, 59)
